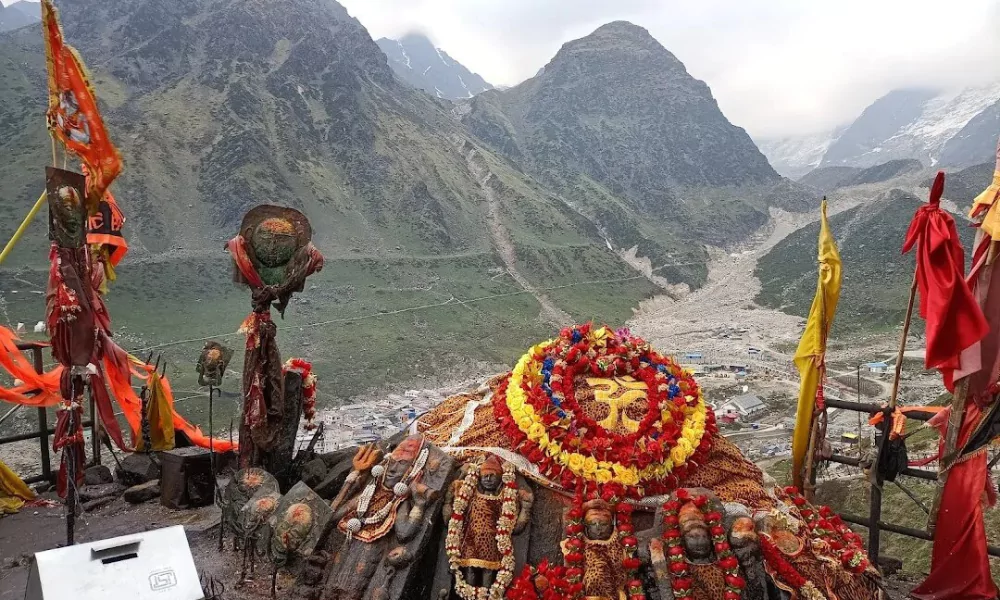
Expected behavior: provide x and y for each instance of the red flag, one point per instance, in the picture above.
(72, 115)
(954, 319)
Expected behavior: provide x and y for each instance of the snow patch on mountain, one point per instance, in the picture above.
(414, 59)
(936, 118)
(794, 156)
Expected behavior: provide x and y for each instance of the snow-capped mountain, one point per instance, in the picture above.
(417, 61)
(794, 156)
(914, 123)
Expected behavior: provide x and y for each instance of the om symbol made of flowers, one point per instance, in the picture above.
(653, 422)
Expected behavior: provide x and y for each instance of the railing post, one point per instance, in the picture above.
(43, 421)
(875, 504)
(95, 429)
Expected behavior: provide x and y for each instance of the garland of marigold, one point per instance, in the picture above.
(537, 409)
(505, 529)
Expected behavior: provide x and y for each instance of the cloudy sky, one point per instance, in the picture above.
(777, 67)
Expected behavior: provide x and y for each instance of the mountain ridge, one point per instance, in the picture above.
(417, 61)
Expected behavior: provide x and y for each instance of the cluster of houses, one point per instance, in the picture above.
(701, 367)
(739, 408)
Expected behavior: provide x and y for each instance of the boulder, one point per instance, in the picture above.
(97, 475)
(314, 472)
(143, 492)
(338, 456)
(104, 490)
(138, 468)
(335, 476)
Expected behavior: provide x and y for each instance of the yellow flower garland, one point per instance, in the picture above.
(692, 431)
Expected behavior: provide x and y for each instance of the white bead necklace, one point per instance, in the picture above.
(355, 523)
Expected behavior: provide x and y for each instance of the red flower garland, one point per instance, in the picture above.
(573, 355)
(730, 566)
(681, 581)
(574, 549)
(630, 547)
(829, 527)
(784, 570)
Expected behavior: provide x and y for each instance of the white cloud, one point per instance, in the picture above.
(777, 67)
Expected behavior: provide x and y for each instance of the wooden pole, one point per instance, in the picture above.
(950, 442)
(809, 481)
(902, 343)
(875, 475)
(22, 227)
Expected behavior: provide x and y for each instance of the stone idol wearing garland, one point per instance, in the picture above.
(592, 471)
(636, 495)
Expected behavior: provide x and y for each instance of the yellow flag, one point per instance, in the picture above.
(160, 415)
(811, 353)
(13, 492)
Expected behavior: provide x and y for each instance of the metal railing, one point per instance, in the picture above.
(43, 431)
(874, 521)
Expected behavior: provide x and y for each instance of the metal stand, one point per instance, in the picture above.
(211, 438)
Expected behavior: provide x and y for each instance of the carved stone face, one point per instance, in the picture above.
(401, 460)
(597, 525)
(743, 534)
(212, 364)
(274, 244)
(294, 526)
(490, 482)
(67, 213)
(697, 543)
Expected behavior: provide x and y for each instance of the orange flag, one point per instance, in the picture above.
(72, 115)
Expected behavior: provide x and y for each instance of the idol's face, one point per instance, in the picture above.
(597, 526)
(490, 482)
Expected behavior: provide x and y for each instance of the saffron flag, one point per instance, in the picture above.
(810, 357)
(72, 114)
(985, 204)
(954, 319)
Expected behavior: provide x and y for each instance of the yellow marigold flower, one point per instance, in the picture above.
(685, 445)
(589, 465)
(524, 423)
(575, 463)
(536, 431)
(553, 449)
(677, 455)
(514, 402)
(602, 476)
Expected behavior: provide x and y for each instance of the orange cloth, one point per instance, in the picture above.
(119, 369)
(73, 116)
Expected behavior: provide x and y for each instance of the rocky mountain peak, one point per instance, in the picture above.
(613, 43)
(415, 60)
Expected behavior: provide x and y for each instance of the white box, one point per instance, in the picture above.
(154, 564)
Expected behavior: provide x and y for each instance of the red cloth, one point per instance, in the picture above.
(960, 566)
(954, 319)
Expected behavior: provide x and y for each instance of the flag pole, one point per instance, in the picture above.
(902, 342)
(23, 227)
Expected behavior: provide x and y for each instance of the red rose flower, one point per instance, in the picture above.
(678, 567)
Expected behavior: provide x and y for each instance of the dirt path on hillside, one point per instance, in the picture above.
(721, 317)
(505, 245)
